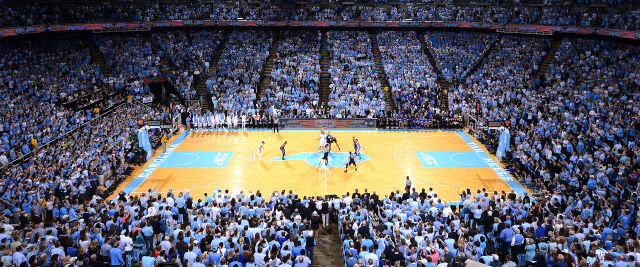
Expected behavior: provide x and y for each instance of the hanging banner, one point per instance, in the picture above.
(136, 26)
(503, 145)
(328, 123)
(143, 141)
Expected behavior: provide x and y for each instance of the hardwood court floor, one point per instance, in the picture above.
(208, 160)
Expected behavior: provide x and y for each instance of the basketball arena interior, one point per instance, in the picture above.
(319, 133)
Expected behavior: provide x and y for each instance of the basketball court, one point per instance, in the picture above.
(203, 161)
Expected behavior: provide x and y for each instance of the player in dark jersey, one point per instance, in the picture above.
(325, 152)
(332, 140)
(352, 160)
(282, 149)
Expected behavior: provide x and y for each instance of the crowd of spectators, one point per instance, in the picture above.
(574, 137)
(575, 142)
(556, 228)
(223, 229)
(234, 85)
(610, 18)
(190, 54)
(613, 16)
(558, 16)
(410, 75)
(588, 128)
(355, 88)
(504, 74)
(34, 83)
(131, 59)
(456, 52)
(489, 14)
(294, 80)
(85, 162)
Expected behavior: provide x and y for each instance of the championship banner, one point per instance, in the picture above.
(328, 123)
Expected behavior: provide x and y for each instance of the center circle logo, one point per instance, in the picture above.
(335, 159)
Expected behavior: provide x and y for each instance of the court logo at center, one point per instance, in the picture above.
(428, 160)
(336, 159)
(221, 159)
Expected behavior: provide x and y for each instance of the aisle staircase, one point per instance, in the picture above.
(382, 74)
(484, 55)
(426, 47)
(201, 88)
(167, 66)
(97, 57)
(267, 68)
(325, 77)
(548, 59)
(443, 99)
(328, 251)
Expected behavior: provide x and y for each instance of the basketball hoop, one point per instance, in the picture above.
(324, 129)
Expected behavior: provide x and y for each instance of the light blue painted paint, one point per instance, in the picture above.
(133, 185)
(517, 188)
(198, 159)
(450, 159)
(337, 159)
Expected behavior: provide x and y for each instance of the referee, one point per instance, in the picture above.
(408, 185)
(282, 149)
(276, 124)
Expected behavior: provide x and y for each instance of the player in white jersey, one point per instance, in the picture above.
(210, 121)
(357, 147)
(228, 121)
(244, 121)
(323, 140)
(323, 166)
(217, 120)
(199, 122)
(194, 121)
(235, 120)
(205, 121)
(260, 148)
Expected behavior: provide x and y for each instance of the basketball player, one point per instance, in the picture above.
(323, 141)
(216, 123)
(229, 121)
(332, 140)
(200, 122)
(244, 121)
(358, 147)
(260, 148)
(212, 120)
(323, 166)
(235, 120)
(325, 152)
(282, 149)
(352, 160)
